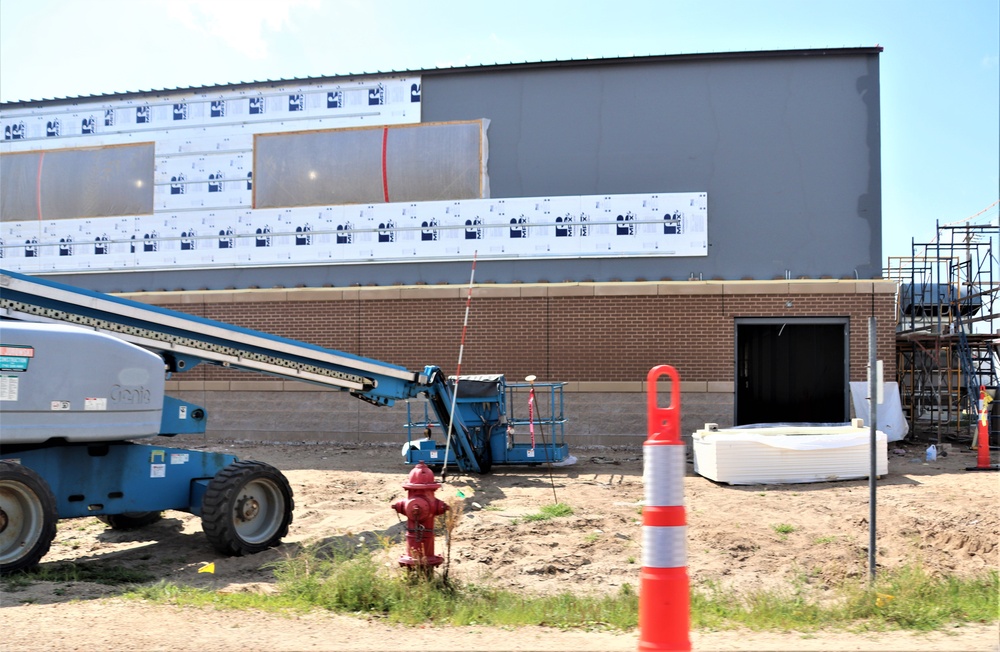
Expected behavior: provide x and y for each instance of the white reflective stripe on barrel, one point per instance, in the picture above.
(663, 474)
(664, 546)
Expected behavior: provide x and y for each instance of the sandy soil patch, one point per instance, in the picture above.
(937, 514)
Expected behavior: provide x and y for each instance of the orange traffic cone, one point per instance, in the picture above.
(982, 444)
(664, 587)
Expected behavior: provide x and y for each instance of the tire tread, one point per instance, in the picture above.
(217, 504)
(33, 481)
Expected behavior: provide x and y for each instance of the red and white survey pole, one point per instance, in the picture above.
(531, 410)
(664, 600)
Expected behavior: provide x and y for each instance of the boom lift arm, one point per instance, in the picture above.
(184, 340)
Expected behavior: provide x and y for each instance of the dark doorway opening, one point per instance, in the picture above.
(791, 372)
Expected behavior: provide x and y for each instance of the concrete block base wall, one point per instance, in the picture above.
(604, 418)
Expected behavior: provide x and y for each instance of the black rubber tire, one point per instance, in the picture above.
(27, 518)
(130, 520)
(247, 508)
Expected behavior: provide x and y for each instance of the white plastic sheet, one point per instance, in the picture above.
(96, 182)
(891, 419)
(429, 162)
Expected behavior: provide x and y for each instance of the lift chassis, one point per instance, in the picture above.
(82, 376)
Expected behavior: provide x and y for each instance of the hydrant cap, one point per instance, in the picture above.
(421, 477)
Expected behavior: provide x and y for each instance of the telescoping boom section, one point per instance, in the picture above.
(184, 340)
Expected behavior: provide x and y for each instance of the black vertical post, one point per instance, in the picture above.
(872, 429)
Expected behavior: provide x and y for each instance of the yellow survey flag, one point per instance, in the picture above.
(883, 599)
(207, 568)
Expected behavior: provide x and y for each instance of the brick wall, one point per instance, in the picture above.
(569, 338)
(600, 338)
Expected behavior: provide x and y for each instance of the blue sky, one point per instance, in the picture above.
(940, 71)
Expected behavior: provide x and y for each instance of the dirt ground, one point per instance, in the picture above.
(936, 514)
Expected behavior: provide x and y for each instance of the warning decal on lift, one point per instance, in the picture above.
(15, 357)
(157, 463)
(95, 404)
(9, 388)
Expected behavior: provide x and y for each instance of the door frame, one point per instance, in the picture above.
(845, 322)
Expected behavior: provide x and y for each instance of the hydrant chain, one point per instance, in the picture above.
(420, 507)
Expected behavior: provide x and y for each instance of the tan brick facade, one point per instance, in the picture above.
(572, 332)
(601, 338)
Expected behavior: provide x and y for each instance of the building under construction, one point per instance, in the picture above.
(946, 342)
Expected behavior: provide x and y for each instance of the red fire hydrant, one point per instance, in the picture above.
(420, 507)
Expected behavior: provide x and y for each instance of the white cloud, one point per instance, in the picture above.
(243, 25)
(991, 61)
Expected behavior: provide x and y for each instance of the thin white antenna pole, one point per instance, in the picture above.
(458, 369)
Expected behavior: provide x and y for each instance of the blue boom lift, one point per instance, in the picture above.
(82, 374)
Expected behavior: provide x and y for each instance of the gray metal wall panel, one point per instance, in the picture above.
(787, 147)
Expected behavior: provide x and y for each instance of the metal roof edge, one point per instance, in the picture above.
(658, 58)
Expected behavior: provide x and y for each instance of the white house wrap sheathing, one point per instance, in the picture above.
(787, 454)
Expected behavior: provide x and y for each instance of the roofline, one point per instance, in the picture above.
(527, 65)
(661, 58)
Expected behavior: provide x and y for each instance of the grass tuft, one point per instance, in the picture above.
(549, 512)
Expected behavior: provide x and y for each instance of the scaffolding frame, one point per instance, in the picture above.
(946, 340)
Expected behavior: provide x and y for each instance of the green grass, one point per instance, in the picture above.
(905, 599)
(170, 593)
(549, 512)
(70, 572)
(921, 602)
(364, 584)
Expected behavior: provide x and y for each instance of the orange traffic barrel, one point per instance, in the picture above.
(983, 435)
(664, 599)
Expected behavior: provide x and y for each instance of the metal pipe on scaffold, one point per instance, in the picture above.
(664, 599)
